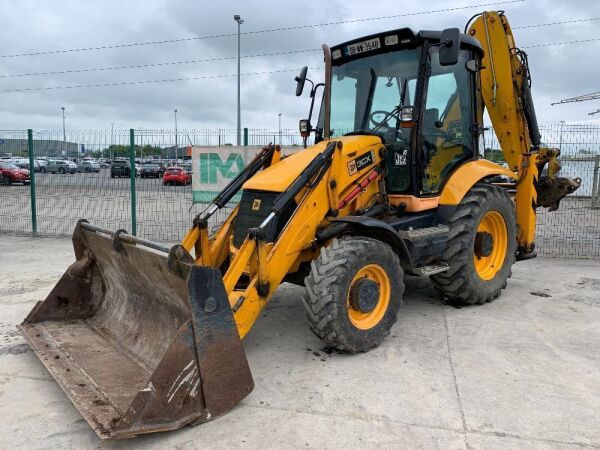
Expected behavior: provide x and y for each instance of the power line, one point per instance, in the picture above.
(166, 80)
(168, 63)
(550, 44)
(590, 19)
(270, 30)
(246, 74)
(192, 61)
(224, 58)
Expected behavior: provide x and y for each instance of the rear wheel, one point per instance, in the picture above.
(353, 293)
(43, 169)
(481, 247)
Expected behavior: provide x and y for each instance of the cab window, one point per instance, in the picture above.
(446, 140)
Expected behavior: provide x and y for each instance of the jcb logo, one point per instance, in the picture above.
(256, 204)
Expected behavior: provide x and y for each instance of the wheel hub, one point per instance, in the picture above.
(484, 244)
(364, 295)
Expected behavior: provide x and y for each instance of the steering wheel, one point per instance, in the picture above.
(374, 113)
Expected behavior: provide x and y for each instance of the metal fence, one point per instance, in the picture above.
(164, 213)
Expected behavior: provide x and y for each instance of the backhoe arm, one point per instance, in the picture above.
(505, 90)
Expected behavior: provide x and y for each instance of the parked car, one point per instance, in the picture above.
(59, 166)
(10, 173)
(42, 162)
(177, 176)
(88, 166)
(23, 163)
(119, 168)
(149, 170)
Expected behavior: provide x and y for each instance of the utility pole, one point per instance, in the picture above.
(279, 128)
(239, 21)
(176, 145)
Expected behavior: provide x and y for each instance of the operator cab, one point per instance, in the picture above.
(410, 90)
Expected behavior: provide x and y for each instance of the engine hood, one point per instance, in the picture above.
(281, 175)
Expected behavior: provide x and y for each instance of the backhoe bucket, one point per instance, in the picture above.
(140, 341)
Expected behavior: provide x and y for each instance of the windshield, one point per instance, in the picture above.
(366, 90)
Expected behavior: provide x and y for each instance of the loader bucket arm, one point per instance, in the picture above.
(139, 340)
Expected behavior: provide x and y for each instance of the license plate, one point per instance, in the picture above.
(362, 47)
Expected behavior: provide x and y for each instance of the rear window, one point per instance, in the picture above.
(173, 170)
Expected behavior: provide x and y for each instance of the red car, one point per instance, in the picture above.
(10, 173)
(177, 175)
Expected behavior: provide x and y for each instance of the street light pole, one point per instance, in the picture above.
(176, 145)
(112, 140)
(64, 129)
(562, 124)
(279, 128)
(239, 21)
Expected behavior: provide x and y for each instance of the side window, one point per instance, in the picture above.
(446, 121)
(343, 106)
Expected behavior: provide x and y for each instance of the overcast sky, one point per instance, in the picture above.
(35, 26)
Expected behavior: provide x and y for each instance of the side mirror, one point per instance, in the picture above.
(304, 126)
(450, 46)
(300, 80)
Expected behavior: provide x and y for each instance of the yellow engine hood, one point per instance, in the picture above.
(281, 175)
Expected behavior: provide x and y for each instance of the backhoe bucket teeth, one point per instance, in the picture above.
(139, 342)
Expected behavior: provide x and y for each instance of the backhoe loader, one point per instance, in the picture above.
(144, 338)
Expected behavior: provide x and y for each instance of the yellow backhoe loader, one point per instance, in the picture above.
(146, 338)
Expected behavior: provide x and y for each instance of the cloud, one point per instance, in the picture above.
(559, 72)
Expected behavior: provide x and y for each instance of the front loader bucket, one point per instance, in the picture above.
(140, 342)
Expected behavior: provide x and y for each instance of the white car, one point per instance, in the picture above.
(59, 166)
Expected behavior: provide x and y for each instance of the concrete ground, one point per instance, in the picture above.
(521, 372)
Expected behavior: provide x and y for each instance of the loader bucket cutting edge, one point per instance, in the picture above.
(139, 344)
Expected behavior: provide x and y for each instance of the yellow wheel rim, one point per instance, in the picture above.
(494, 226)
(367, 320)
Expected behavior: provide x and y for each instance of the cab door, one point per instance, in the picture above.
(447, 118)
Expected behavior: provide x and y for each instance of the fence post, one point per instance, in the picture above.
(245, 146)
(132, 181)
(32, 183)
(596, 183)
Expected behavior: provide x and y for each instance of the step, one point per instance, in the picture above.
(432, 269)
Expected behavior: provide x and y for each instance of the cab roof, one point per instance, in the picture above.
(393, 40)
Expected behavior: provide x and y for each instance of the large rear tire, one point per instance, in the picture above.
(481, 247)
(353, 293)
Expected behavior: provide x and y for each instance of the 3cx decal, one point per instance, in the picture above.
(360, 162)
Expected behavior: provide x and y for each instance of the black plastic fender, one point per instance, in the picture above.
(377, 229)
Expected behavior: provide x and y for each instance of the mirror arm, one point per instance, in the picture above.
(312, 102)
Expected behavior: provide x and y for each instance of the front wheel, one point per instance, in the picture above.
(353, 293)
(62, 171)
(481, 248)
